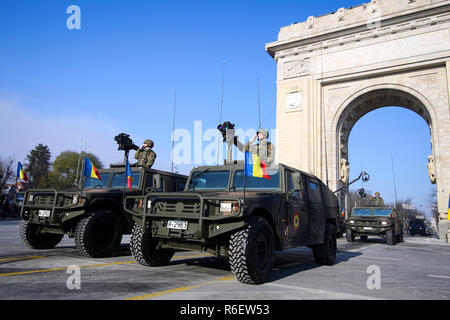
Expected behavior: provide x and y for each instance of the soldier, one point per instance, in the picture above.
(145, 155)
(263, 149)
(377, 200)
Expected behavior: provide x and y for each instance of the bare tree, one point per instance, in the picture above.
(6, 171)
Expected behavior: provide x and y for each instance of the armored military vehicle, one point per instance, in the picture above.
(244, 218)
(93, 215)
(374, 221)
(417, 226)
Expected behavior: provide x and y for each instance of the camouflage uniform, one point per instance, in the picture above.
(263, 149)
(145, 156)
(377, 200)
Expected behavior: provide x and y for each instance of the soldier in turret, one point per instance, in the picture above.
(145, 155)
(377, 200)
(263, 148)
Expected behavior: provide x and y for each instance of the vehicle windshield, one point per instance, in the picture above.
(362, 212)
(118, 180)
(254, 183)
(381, 212)
(209, 180)
(90, 183)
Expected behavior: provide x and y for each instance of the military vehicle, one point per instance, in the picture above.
(94, 214)
(417, 226)
(243, 218)
(374, 221)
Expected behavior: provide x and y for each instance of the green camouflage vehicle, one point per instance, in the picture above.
(216, 214)
(94, 215)
(374, 221)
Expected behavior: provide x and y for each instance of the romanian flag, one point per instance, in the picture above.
(254, 166)
(129, 175)
(90, 170)
(21, 173)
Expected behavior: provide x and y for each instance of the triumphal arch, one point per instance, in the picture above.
(333, 69)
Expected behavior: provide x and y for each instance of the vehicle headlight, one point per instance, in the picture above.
(149, 204)
(30, 198)
(352, 221)
(229, 207)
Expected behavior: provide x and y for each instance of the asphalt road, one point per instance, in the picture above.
(419, 268)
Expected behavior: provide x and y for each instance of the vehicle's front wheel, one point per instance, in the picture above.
(390, 237)
(349, 235)
(30, 235)
(325, 253)
(252, 251)
(143, 248)
(99, 234)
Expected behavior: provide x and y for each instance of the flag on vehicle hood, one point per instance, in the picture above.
(21, 172)
(128, 174)
(90, 170)
(254, 166)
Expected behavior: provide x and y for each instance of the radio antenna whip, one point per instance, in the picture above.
(173, 123)
(221, 108)
(259, 108)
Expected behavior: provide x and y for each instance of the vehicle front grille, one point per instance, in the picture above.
(367, 223)
(44, 200)
(178, 207)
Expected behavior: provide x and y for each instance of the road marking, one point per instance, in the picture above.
(20, 258)
(324, 294)
(63, 268)
(436, 276)
(92, 265)
(381, 258)
(176, 290)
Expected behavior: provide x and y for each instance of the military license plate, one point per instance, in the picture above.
(177, 224)
(367, 228)
(44, 213)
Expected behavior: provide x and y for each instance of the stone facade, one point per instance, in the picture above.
(333, 69)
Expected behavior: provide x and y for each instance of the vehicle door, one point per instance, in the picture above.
(297, 216)
(168, 184)
(316, 214)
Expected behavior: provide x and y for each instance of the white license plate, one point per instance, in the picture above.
(44, 213)
(367, 228)
(177, 224)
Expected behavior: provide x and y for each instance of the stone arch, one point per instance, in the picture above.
(369, 99)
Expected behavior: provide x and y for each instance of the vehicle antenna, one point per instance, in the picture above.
(173, 124)
(221, 108)
(259, 107)
(395, 186)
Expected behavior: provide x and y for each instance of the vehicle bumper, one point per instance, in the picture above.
(191, 208)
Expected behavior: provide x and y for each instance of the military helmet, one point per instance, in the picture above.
(149, 143)
(264, 132)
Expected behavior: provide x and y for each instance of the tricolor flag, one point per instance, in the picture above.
(128, 174)
(21, 173)
(254, 166)
(90, 170)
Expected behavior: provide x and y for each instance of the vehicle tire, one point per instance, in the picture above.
(252, 251)
(364, 238)
(30, 236)
(143, 249)
(390, 237)
(349, 235)
(325, 253)
(99, 234)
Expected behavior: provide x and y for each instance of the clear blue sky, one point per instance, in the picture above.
(74, 88)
